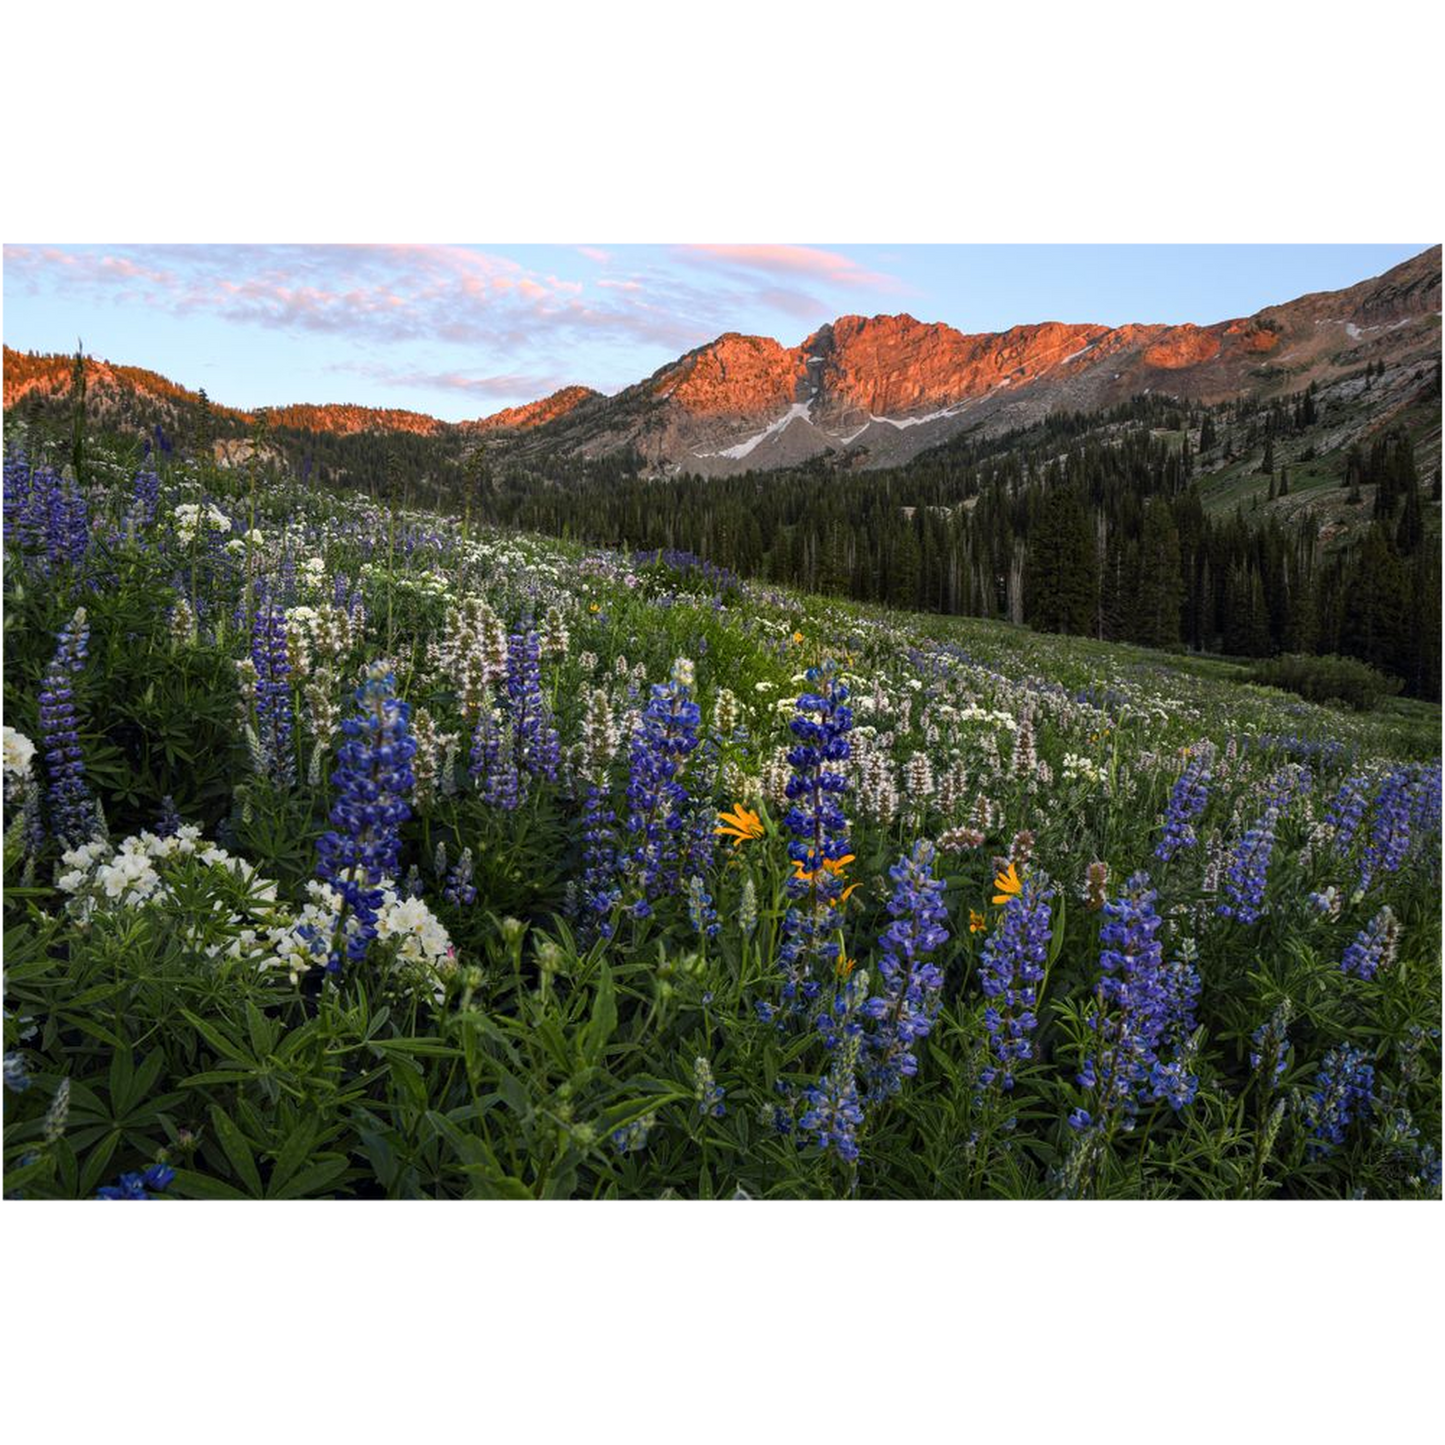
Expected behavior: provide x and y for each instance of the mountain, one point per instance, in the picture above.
(534, 413)
(867, 391)
(878, 390)
(124, 392)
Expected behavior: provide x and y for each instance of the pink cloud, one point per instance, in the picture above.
(810, 261)
(380, 293)
(506, 386)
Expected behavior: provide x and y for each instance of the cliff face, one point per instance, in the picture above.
(880, 389)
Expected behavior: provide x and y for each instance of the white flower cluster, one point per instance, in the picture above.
(241, 916)
(1080, 769)
(974, 713)
(19, 753)
(190, 518)
(99, 875)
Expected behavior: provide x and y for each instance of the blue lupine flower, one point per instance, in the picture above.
(600, 891)
(67, 530)
(533, 734)
(834, 1111)
(138, 1186)
(1292, 781)
(1389, 839)
(273, 693)
(819, 847)
(458, 890)
(1427, 1167)
(169, 822)
(700, 912)
(1343, 1091)
(1145, 1010)
(1425, 800)
(146, 491)
(17, 1072)
(1010, 970)
(709, 1094)
(373, 781)
(1247, 871)
(1346, 810)
(72, 813)
(905, 1010)
(659, 805)
(1374, 946)
(494, 762)
(632, 1138)
(1271, 1053)
(1187, 800)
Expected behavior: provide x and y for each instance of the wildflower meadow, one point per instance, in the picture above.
(353, 852)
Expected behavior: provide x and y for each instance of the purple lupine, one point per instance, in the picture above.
(905, 1010)
(170, 821)
(1425, 801)
(808, 953)
(26, 502)
(700, 912)
(1247, 872)
(1271, 1052)
(1187, 800)
(67, 526)
(1010, 970)
(1343, 1091)
(1374, 947)
(658, 802)
(373, 780)
(494, 763)
(1145, 1006)
(533, 733)
(1346, 810)
(1389, 838)
(600, 891)
(458, 888)
(138, 1185)
(834, 1111)
(146, 494)
(273, 693)
(72, 813)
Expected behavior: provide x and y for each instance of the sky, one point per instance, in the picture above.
(461, 331)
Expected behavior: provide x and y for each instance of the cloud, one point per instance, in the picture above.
(376, 293)
(506, 386)
(829, 267)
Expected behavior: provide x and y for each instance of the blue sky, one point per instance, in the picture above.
(461, 331)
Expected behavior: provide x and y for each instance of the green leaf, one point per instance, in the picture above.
(227, 1048)
(293, 1153)
(238, 1151)
(312, 1180)
(604, 1018)
(190, 1185)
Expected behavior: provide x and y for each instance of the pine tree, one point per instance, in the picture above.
(1411, 531)
(1160, 584)
(1062, 578)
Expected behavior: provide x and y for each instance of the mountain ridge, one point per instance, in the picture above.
(875, 391)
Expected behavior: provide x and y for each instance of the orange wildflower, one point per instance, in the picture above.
(1009, 884)
(741, 825)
